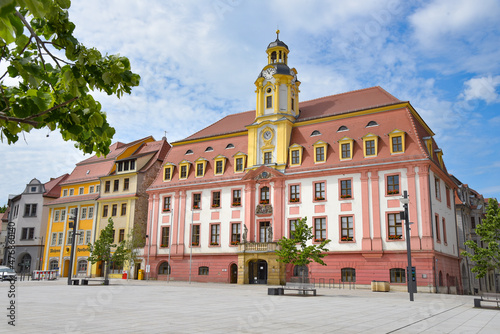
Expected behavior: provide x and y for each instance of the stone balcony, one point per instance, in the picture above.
(257, 247)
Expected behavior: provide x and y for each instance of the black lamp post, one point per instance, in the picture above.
(71, 255)
(404, 216)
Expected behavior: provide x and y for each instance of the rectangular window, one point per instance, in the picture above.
(398, 275)
(63, 215)
(87, 237)
(97, 188)
(56, 215)
(183, 172)
(346, 150)
(437, 186)
(268, 158)
(65, 192)
(27, 233)
(199, 169)
(116, 185)
(121, 235)
(196, 201)
(448, 197)
(125, 165)
(294, 193)
(346, 228)
(91, 189)
(319, 229)
(54, 239)
(105, 211)
(218, 167)
(80, 191)
(348, 275)
(203, 271)
(168, 174)
(114, 209)
(81, 236)
(70, 238)
(91, 212)
(345, 189)
(320, 154)
(264, 232)
(445, 239)
(107, 186)
(166, 203)
(214, 235)
(239, 164)
(165, 235)
(295, 157)
(264, 195)
(132, 164)
(436, 224)
(124, 209)
(392, 184)
(236, 197)
(269, 101)
(293, 223)
(120, 166)
(71, 192)
(397, 144)
(126, 183)
(60, 239)
(235, 233)
(394, 225)
(84, 213)
(370, 147)
(319, 191)
(216, 199)
(195, 235)
(473, 222)
(30, 210)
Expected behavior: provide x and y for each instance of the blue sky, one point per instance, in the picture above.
(199, 59)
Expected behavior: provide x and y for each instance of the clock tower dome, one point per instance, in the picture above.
(277, 90)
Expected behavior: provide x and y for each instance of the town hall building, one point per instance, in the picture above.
(226, 194)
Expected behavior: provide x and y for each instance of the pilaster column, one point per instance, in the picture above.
(250, 210)
(377, 239)
(412, 207)
(366, 242)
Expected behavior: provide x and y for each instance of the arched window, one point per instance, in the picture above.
(264, 195)
(300, 271)
(164, 269)
(82, 266)
(348, 275)
(189, 152)
(315, 133)
(371, 123)
(398, 275)
(53, 264)
(209, 149)
(343, 128)
(229, 146)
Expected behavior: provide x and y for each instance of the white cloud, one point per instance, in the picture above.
(483, 88)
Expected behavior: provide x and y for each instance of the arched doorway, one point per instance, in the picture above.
(25, 264)
(257, 272)
(233, 276)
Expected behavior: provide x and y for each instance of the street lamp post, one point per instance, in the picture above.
(404, 216)
(72, 253)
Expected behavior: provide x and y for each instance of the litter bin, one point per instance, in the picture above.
(140, 276)
(124, 275)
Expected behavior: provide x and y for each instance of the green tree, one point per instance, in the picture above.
(486, 258)
(3, 208)
(136, 240)
(102, 249)
(52, 76)
(296, 251)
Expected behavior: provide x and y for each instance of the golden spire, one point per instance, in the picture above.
(278, 34)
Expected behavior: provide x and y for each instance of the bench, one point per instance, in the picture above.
(302, 288)
(487, 298)
(85, 281)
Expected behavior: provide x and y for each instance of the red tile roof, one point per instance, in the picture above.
(72, 199)
(53, 187)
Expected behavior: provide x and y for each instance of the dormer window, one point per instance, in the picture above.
(124, 166)
(343, 128)
(397, 141)
(315, 133)
(345, 148)
(201, 165)
(209, 149)
(220, 164)
(229, 146)
(371, 123)
(189, 152)
(168, 170)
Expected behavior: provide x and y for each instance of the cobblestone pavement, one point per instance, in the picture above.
(179, 307)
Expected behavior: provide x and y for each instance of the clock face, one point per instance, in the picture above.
(267, 135)
(268, 73)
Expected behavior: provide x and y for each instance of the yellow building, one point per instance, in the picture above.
(80, 193)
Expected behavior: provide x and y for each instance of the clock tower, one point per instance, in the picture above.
(277, 90)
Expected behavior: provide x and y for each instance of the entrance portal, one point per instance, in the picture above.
(257, 272)
(234, 273)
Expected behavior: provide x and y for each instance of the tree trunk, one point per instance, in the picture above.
(106, 267)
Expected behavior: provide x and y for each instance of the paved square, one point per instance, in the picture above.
(179, 307)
